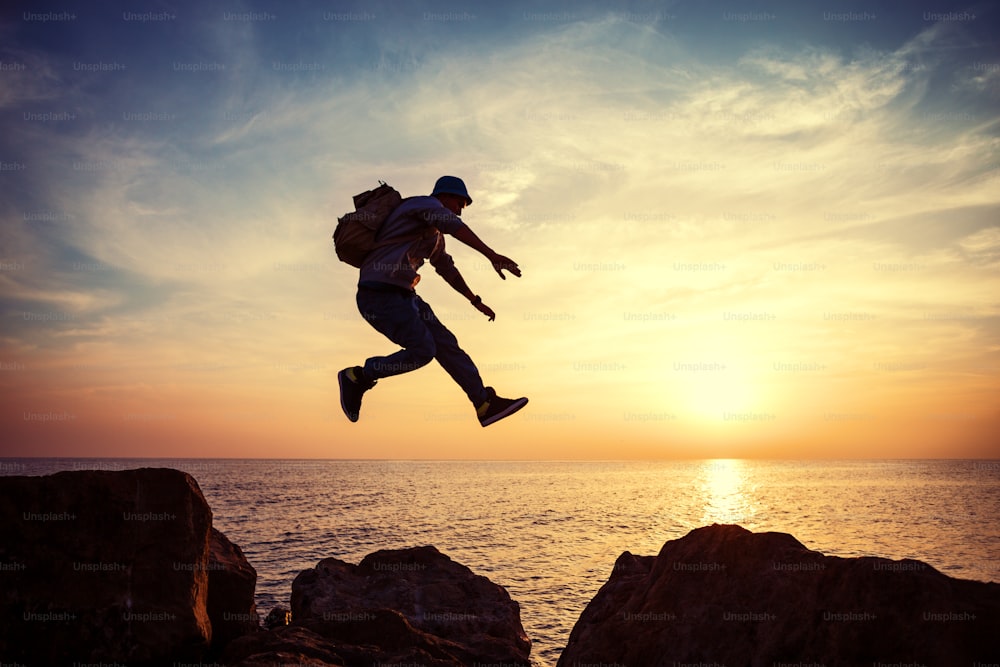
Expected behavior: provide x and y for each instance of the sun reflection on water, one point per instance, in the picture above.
(725, 485)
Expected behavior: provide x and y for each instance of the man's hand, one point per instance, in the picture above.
(484, 309)
(500, 263)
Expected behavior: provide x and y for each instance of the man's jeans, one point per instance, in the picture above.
(405, 319)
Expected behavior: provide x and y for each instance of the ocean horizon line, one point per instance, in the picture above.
(500, 460)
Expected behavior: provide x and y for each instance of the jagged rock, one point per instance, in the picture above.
(409, 605)
(108, 566)
(376, 637)
(285, 645)
(723, 595)
(232, 582)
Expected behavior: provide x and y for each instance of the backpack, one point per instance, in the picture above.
(354, 236)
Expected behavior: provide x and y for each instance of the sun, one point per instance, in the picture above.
(718, 394)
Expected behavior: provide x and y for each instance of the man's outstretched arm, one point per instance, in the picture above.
(455, 279)
(445, 266)
(499, 262)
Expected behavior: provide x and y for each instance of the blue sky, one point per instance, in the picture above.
(802, 198)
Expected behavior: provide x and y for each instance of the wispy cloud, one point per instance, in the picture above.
(788, 205)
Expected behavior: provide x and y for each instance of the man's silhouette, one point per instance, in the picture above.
(388, 301)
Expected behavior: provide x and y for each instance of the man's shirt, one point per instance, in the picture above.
(397, 263)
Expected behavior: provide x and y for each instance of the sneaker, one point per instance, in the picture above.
(353, 386)
(496, 408)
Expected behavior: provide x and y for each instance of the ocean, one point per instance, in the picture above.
(550, 532)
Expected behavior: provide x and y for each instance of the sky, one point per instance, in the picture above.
(746, 231)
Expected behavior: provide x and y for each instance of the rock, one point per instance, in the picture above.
(409, 605)
(232, 582)
(277, 617)
(108, 566)
(285, 645)
(723, 595)
(377, 637)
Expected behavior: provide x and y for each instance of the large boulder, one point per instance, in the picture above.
(396, 606)
(232, 583)
(723, 595)
(106, 566)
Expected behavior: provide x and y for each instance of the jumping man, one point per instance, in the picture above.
(388, 301)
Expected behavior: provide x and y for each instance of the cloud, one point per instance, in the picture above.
(664, 206)
(30, 80)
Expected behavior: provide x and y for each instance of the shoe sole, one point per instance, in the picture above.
(341, 379)
(506, 412)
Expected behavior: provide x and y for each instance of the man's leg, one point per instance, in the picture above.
(453, 358)
(396, 316)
